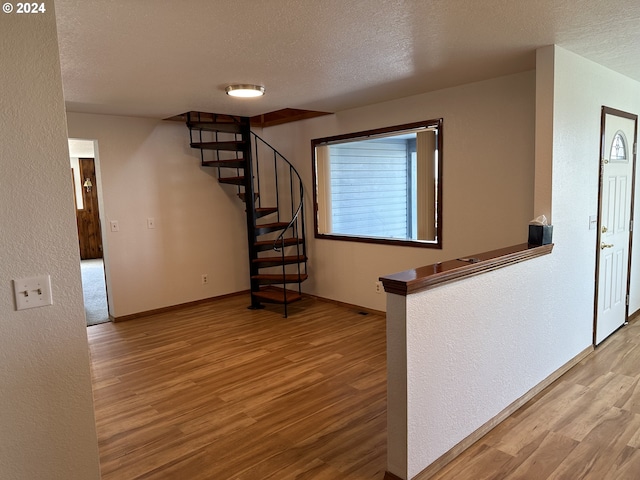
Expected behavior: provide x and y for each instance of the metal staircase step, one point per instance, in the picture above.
(243, 196)
(270, 227)
(264, 245)
(232, 180)
(232, 146)
(278, 278)
(277, 295)
(215, 126)
(231, 163)
(264, 211)
(264, 262)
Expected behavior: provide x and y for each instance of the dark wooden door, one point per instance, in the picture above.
(89, 233)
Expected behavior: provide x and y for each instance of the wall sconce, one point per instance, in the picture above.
(87, 185)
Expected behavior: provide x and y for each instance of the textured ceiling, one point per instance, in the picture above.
(160, 58)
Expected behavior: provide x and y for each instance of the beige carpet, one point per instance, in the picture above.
(94, 291)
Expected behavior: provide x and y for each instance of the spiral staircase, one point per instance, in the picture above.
(272, 190)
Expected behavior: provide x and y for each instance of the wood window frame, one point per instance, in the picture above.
(322, 191)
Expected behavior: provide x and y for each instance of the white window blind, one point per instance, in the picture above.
(369, 188)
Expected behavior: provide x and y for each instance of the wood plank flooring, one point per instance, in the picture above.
(586, 425)
(221, 392)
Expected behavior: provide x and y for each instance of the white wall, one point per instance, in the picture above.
(47, 427)
(488, 180)
(147, 170)
(472, 348)
(475, 346)
(582, 88)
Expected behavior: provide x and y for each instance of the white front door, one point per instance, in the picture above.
(616, 206)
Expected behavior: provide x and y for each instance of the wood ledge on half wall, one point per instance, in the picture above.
(429, 276)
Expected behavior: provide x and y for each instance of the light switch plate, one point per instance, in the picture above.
(32, 292)
(115, 227)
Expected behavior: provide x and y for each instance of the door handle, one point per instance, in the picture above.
(605, 245)
(604, 229)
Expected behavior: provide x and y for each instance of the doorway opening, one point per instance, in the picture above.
(84, 175)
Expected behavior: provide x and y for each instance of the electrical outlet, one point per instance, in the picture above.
(205, 278)
(379, 288)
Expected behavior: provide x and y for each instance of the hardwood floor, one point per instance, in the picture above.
(584, 426)
(221, 392)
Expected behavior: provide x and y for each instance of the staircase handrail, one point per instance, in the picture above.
(298, 210)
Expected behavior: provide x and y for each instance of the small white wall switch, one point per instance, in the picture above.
(114, 226)
(593, 222)
(151, 222)
(32, 292)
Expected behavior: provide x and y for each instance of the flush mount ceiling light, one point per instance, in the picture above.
(245, 91)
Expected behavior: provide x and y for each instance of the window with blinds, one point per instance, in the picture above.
(380, 185)
(371, 188)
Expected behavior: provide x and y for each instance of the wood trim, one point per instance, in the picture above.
(390, 476)
(619, 113)
(378, 131)
(407, 282)
(599, 227)
(379, 241)
(278, 117)
(285, 115)
(423, 278)
(180, 306)
(633, 316)
(350, 306)
(449, 456)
